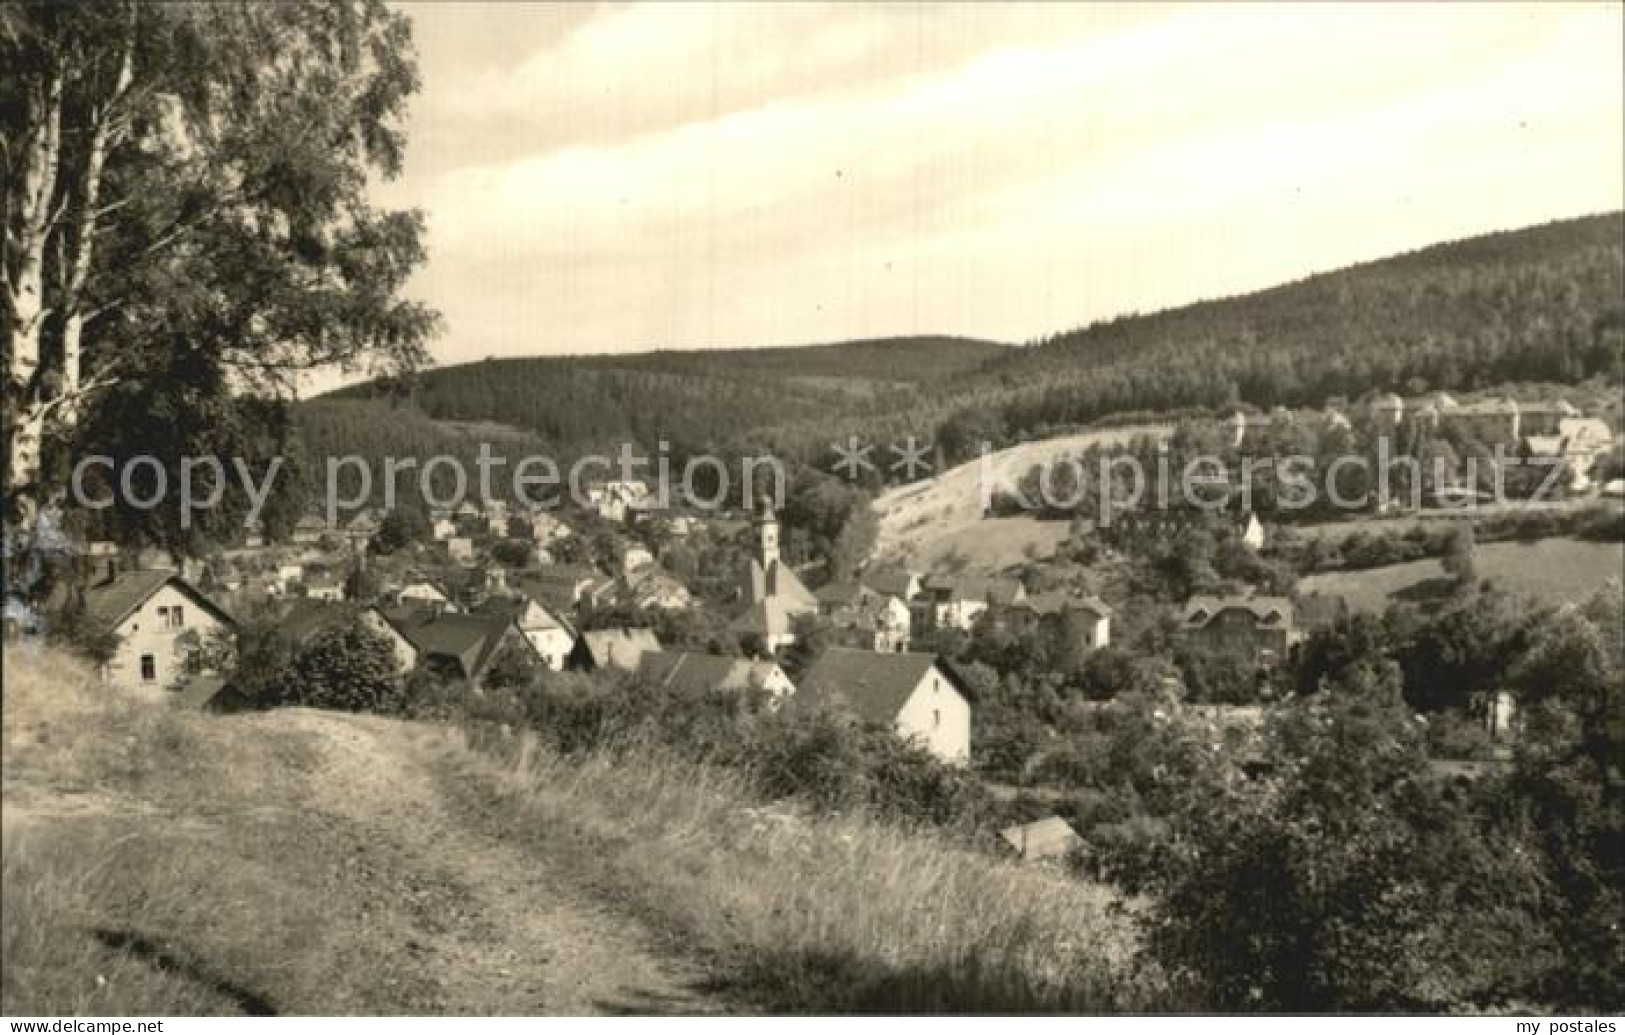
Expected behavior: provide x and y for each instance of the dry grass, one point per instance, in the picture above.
(1552, 571)
(812, 914)
(157, 861)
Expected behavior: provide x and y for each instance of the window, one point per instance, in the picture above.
(149, 668)
(936, 718)
(177, 617)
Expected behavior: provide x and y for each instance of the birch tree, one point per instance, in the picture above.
(186, 216)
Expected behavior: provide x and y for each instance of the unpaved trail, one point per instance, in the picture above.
(521, 939)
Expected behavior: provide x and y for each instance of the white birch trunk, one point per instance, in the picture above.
(25, 283)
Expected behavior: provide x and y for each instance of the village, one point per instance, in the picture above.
(536, 509)
(483, 593)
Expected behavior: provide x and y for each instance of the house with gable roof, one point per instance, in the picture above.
(1264, 627)
(155, 616)
(916, 696)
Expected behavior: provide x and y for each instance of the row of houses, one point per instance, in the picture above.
(158, 617)
(887, 610)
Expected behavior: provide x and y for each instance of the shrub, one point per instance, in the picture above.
(1351, 879)
(349, 668)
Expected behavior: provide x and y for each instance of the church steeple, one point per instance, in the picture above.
(767, 535)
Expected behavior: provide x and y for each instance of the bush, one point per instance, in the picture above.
(349, 668)
(1349, 880)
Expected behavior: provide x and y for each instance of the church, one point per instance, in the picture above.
(774, 592)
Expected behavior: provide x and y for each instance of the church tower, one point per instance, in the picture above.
(767, 536)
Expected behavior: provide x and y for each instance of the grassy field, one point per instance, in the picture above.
(158, 861)
(938, 523)
(834, 915)
(1553, 571)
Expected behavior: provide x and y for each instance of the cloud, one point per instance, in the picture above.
(752, 174)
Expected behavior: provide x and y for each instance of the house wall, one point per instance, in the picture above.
(144, 633)
(406, 656)
(778, 686)
(553, 646)
(1100, 632)
(938, 717)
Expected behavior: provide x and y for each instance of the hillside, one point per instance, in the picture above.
(1537, 305)
(693, 399)
(163, 861)
(1543, 304)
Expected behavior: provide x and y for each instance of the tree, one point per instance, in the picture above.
(349, 668)
(514, 553)
(1351, 879)
(362, 585)
(400, 528)
(1458, 560)
(186, 219)
(513, 668)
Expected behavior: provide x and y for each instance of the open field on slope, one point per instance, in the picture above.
(1553, 571)
(158, 861)
(928, 523)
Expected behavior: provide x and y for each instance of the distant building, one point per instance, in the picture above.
(653, 587)
(423, 593)
(866, 617)
(1263, 627)
(151, 613)
(1387, 411)
(914, 695)
(549, 635)
(767, 575)
(457, 646)
(460, 549)
(308, 618)
(695, 675)
(561, 587)
(1579, 442)
(360, 529)
(612, 648)
(775, 593)
(309, 530)
(324, 585)
(1049, 838)
(892, 582)
(1091, 615)
(957, 601)
(635, 557)
(614, 500)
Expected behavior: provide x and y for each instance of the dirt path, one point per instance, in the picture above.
(519, 939)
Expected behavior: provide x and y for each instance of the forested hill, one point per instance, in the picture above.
(690, 399)
(1539, 304)
(1542, 304)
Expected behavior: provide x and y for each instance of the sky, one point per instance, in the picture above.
(606, 178)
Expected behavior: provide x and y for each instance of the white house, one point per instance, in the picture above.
(460, 548)
(444, 528)
(151, 613)
(549, 635)
(636, 557)
(612, 648)
(699, 674)
(426, 594)
(915, 695)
